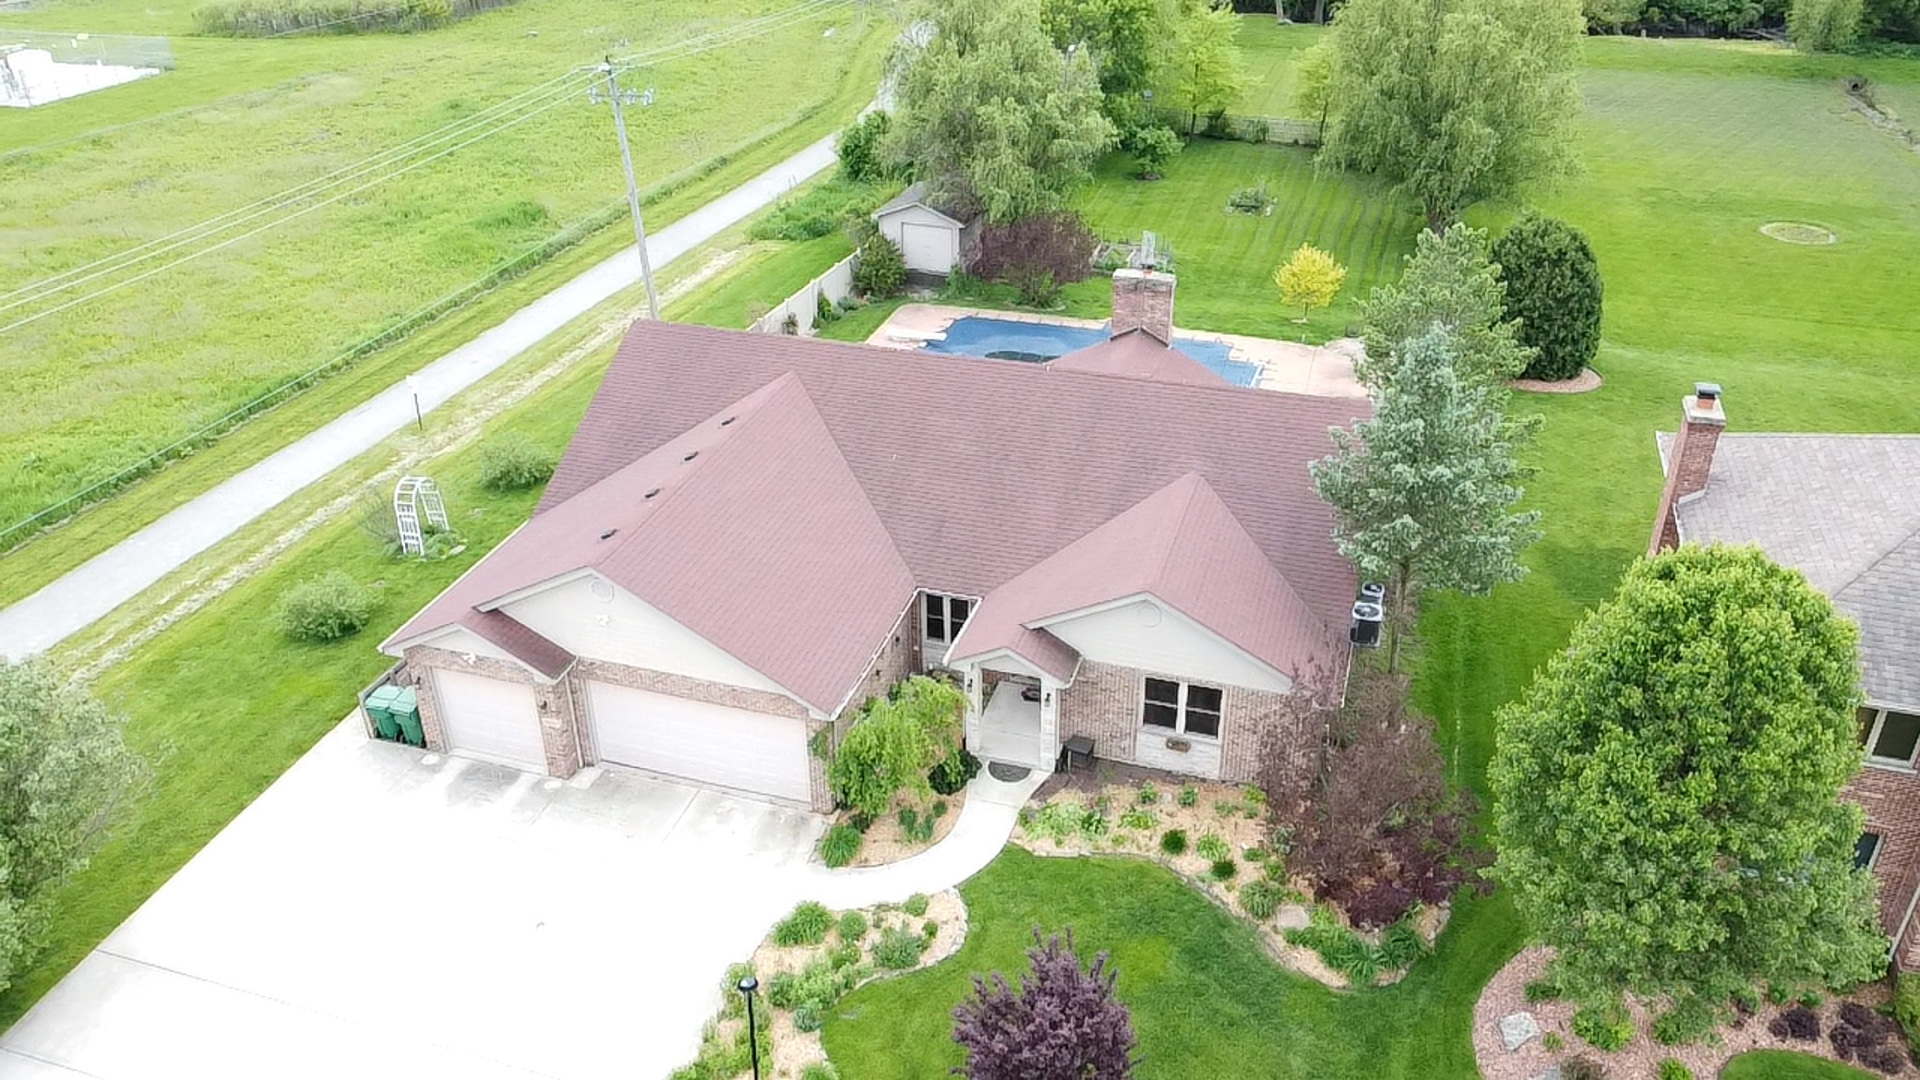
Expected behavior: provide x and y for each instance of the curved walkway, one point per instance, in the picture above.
(95, 588)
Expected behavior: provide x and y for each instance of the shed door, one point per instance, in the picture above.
(699, 741)
(491, 719)
(927, 248)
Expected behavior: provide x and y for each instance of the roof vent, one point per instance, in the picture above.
(651, 492)
(691, 455)
(1707, 393)
(1368, 618)
(608, 535)
(728, 420)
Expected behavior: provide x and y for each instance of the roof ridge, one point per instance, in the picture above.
(1883, 556)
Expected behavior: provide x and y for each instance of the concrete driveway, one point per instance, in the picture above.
(382, 913)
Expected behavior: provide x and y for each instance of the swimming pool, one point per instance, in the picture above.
(1010, 339)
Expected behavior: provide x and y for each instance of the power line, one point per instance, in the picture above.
(495, 118)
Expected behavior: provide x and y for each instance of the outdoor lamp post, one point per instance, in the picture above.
(747, 986)
(413, 385)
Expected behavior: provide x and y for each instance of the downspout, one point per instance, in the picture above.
(1893, 950)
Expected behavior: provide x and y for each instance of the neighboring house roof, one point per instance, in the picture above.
(1844, 511)
(747, 528)
(1181, 545)
(1137, 354)
(916, 195)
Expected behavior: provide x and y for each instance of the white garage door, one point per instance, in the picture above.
(927, 247)
(695, 740)
(490, 718)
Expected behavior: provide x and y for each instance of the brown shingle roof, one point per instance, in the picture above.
(1182, 545)
(1137, 354)
(978, 468)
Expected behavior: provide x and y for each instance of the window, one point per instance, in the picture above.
(1866, 850)
(946, 615)
(1890, 737)
(1182, 707)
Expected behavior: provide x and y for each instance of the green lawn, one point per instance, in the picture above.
(1206, 1001)
(1787, 1065)
(1267, 53)
(1226, 261)
(97, 387)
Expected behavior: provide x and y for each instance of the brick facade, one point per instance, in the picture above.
(1891, 799)
(1104, 705)
(1143, 300)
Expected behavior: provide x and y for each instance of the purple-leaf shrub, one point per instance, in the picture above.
(1062, 1024)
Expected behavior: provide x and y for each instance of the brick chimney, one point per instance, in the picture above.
(1143, 300)
(1701, 421)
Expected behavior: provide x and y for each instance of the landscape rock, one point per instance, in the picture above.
(1293, 917)
(1516, 1029)
(1552, 1073)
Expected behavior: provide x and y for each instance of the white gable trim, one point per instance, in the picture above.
(455, 638)
(903, 207)
(539, 587)
(1053, 624)
(1019, 665)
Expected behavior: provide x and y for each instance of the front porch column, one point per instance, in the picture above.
(1050, 720)
(970, 674)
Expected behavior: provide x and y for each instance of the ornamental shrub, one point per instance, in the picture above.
(1174, 842)
(882, 270)
(1189, 796)
(1606, 1027)
(898, 948)
(1212, 848)
(1260, 899)
(807, 925)
(840, 846)
(1152, 146)
(1063, 1021)
(510, 462)
(853, 927)
(328, 607)
(895, 743)
(820, 1070)
(1906, 1005)
(1223, 869)
(1138, 817)
(1796, 1022)
(954, 772)
(1554, 290)
(916, 905)
(1037, 254)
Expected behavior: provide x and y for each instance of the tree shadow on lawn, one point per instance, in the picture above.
(1208, 1003)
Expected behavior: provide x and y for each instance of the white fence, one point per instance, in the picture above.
(836, 285)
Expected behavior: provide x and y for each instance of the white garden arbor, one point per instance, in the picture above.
(415, 497)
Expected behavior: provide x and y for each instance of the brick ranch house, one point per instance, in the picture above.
(1845, 511)
(750, 535)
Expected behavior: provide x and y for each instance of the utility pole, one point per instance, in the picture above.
(617, 96)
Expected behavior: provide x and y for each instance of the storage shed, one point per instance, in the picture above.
(931, 236)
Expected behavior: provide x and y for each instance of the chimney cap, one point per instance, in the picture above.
(1706, 391)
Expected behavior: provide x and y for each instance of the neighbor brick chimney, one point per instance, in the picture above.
(1701, 421)
(1143, 300)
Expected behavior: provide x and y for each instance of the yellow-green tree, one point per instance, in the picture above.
(1309, 279)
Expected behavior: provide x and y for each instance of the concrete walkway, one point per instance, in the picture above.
(117, 575)
(380, 911)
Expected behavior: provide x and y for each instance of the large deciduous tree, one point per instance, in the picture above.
(1423, 492)
(1064, 1023)
(1202, 73)
(1667, 793)
(1449, 282)
(67, 770)
(1128, 39)
(1454, 100)
(1553, 291)
(989, 110)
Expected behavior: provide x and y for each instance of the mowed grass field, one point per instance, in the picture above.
(98, 386)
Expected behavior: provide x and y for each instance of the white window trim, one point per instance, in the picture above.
(1879, 845)
(1873, 736)
(945, 600)
(1179, 727)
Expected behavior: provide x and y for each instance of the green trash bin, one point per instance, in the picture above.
(380, 710)
(406, 712)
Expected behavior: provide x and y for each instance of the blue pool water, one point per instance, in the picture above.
(1008, 339)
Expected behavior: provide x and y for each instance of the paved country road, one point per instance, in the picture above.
(117, 575)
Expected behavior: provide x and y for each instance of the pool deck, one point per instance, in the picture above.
(1287, 366)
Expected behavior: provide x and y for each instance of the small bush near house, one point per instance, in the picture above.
(1689, 1021)
(1553, 288)
(1859, 1031)
(882, 271)
(1174, 842)
(1149, 794)
(929, 930)
(840, 846)
(1064, 819)
(1884, 1059)
(1906, 1005)
(1223, 869)
(1189, 796)
(1401, 945)
(1543, 988)
(898, 948)
(1260, 899)
(1582, 1067)
(1606, 1028)
(915, 827)
(820, 1070)
(325, 608)
(808, 925)
(1138, 817)
(859, 149)
(916, 905)
(895, 743)
(955, 772)
(1212, 848)
(853, 927)
(1007, 1034)
(510, 462)
(1675, 1069)
(1037, 254)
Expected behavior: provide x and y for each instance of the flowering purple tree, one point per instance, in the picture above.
(1063, 1024)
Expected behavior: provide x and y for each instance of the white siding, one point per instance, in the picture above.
(1201, 758)
(624, 629)
(893, 226)
(462, 640)
(1151, 636)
